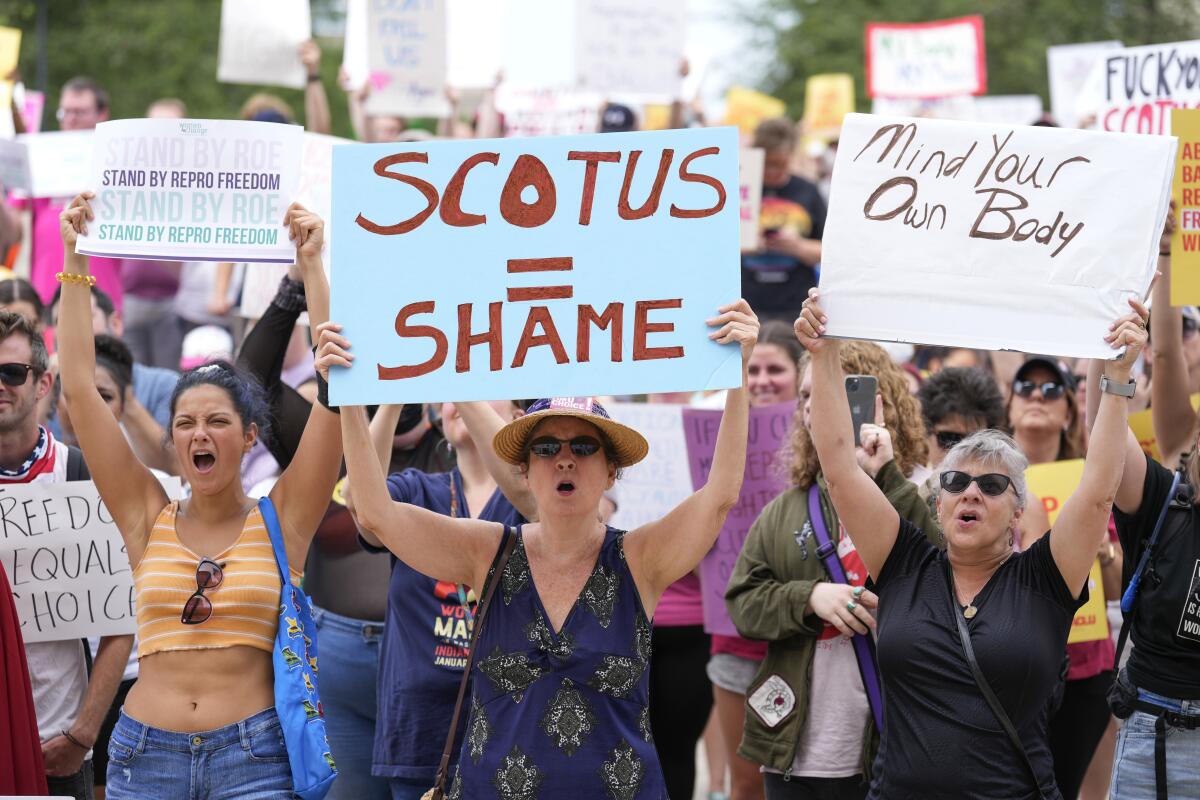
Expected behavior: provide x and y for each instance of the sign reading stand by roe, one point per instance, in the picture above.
(578, 265)
(992, 237)
(193, 190)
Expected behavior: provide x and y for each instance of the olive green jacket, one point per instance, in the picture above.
(766, 596)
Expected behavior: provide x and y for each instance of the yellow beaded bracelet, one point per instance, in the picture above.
(67, 277)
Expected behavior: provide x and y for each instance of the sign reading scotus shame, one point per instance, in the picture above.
(579, 265)
(993, 237)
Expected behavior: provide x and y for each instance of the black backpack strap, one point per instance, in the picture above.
(77, 468)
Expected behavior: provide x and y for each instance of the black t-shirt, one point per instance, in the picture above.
(773, 283)
(940, 738)
(1166, 628)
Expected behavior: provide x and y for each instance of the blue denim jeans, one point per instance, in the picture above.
(349, 672)
(1133, 766)
(244, 761)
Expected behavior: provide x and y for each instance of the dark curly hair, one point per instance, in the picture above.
(114, 357)
(246, 393)
(969, 392)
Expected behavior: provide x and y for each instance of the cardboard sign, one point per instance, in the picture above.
(573, 266)
(59, 162)
(260, 42)
(1054, 483)
(650, 489)
(1134, 89)
(1069, 67)
(66, 561)
(827, 101)
(745, 108)
(750, 178)
(765, 477)
(547, 112)
(997, 238)
(193, 190)
(406, 55)
(631, 47)
(1185, 190)
(14, 167)
(926, 59)
(1142, 425)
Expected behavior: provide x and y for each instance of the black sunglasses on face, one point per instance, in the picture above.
(15, 373)
(1051, 390)
(993, 484)
(947, 439)
(199, 608)
(547, 447)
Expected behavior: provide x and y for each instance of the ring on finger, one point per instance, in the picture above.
(857, 591)
(851, 605)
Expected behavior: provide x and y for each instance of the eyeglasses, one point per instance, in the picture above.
(947, 439)
(1051, 390)
(993, 484)
(199, 608)
(14, 373)
(547, 447)
(1189, 327)
(63, 113)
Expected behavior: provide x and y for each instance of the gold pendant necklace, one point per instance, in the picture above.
(970, 611)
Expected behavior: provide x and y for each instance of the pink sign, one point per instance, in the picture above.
(32, 111)
(765, 477)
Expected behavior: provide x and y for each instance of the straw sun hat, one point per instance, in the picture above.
(628, 446)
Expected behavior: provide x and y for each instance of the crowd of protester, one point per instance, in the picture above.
(594, 676)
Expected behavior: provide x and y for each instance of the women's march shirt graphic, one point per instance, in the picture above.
(1189, 620)
(452, 624)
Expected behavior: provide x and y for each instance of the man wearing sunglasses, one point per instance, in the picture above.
(70, 707)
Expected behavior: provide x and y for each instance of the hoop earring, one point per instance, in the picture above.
(1010, 538)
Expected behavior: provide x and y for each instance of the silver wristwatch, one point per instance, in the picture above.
(1119, 389)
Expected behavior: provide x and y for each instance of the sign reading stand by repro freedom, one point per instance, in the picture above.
(578, 265)
(193, 190)
(988, 236)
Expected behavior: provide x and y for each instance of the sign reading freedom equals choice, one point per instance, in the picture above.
(512, 268)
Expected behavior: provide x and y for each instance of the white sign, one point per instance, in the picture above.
(1134, 89)
(652, 487)
(14, 167)
(406, 54)
(1068, 68)
(1008, 109)
(547, 112)
(66, 561)
(630, 46)
(1000, 238)
(193, 190)
(960, 107)
(928, 59)
(260, 42)
(59, 162)
(354, 47)
(750, 178)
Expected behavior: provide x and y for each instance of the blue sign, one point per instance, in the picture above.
(515, 268)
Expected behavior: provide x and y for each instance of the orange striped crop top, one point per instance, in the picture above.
(245, 604)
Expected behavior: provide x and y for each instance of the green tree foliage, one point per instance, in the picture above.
(810, 37)
(143, 50)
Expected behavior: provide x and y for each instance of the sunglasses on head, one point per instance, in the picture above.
(548, 447)
(947, 439)
(993, 484)
(1051, 390)
(15, 373)
(199, 608)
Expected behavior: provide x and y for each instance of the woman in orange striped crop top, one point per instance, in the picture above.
(205, 574)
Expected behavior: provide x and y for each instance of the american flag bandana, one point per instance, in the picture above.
(40, 461)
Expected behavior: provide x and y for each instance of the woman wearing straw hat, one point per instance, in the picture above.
(559, 701)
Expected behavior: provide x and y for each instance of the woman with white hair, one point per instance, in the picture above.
(970, 642)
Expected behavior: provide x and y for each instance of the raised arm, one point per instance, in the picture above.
(1083, 521)
(1170, 401)
(870, 520)
(303, 491)
(444, 548)
(316, 102)
(133, 495)
(663, 551)
(1129, 491)
(483, 423)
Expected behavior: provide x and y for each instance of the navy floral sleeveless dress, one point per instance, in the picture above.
(562, 715)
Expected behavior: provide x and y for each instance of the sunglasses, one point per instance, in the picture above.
(947, 439)
(15, 373)
(199, 608)
(1051, 390)
(993, 484)
(1189, 327)
(547, 447)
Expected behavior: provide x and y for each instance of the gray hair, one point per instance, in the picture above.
(994, 448)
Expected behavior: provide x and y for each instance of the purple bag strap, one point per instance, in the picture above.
(864, 646)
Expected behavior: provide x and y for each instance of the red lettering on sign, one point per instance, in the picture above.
(642, 327)
(592, 159)
(451, 210)
(528, 171)
(707, 180)
(467, 340)
(539, 316)
(405, 331)
(624, 210)
(587, 316)
(424, 187)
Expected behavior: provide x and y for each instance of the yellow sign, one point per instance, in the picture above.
(1054, 483)
(656, 117)
(1185, 190)
(10, 50)
(827, 101)
(746, 108)
(1142, 426)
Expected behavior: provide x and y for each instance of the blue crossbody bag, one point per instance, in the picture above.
(294, 658)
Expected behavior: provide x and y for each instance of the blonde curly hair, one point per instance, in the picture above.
(901, 413)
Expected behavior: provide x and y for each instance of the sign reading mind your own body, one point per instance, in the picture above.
(193, 190)
(987, 236)
(581, 265)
